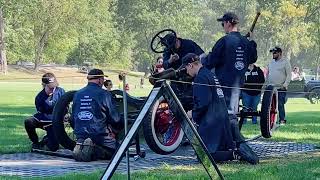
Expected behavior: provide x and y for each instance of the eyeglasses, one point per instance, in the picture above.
(222, 24)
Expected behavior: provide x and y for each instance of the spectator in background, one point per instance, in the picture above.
(159, 65)
(45, 101)
(296, 75)
(279, 76)
(121, 83)
(141, 82)
(108, 84)
(254, 79)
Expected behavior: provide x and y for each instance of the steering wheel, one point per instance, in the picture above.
(158, 43)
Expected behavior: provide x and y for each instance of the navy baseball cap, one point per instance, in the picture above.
(169, 40)
(189, 58)
(229, 16)
(95, 74)
(276, 49)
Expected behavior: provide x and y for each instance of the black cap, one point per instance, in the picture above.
(276, 49)
(229, 16)
(95, 74)
(169, 40)
(48, 80)
(189, 58)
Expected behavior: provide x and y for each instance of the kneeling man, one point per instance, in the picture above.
(95, 116)
(210, 112)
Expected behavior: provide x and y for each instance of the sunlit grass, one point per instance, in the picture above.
(303, 126)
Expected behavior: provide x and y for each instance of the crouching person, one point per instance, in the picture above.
(210, 113)
(45, 101)
(95, 117)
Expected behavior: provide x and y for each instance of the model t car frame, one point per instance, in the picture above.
(162, 129)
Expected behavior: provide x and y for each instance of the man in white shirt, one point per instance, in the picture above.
(279, 75)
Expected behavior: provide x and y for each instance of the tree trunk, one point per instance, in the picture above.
(3, 58)
(39, 49)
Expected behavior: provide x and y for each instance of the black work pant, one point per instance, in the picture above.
(237, 136)
(32, 123)
(221, 156)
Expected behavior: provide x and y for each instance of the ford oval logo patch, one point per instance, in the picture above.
(239, 65)
(85, 115)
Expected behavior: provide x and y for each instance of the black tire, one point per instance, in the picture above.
(269, 108)
(59, 113)
(149, 131)
(314, 96)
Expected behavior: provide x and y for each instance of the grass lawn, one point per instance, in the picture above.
(17, 103)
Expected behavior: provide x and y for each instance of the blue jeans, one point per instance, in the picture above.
(251, 102)
(282, 99)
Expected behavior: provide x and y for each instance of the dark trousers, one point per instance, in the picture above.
(236, 135)
(221, 156)
(251, 102)
(32, 123)
(282, 99)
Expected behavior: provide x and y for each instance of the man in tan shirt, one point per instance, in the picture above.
(279, 75)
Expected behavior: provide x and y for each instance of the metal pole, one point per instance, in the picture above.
(125, 114)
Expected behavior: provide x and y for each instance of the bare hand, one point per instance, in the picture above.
(48, 90)
(173, 58)
(189, 113)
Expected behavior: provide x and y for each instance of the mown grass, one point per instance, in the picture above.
(304, 166)
(17, 103)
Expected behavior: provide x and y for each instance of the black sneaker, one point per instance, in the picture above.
(246, 154)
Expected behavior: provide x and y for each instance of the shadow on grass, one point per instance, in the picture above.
(300, 127)
(292, 167)
(13, 136)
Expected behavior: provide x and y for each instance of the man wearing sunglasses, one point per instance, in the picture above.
(279, 75)
(230, 58)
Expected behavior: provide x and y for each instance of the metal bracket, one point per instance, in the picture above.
(187, 126)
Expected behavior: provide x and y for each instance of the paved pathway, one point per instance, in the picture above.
(39, 165)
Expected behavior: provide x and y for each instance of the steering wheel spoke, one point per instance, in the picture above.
(158, 39)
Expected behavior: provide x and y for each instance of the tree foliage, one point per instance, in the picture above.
(117, 34)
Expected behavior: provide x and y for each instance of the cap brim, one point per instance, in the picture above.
(182, 66)
(220, 19)
(95, 76)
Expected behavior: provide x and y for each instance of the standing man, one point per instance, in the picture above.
(44, 101)
(279, 75)
(230, 58)
(209, 111)
(251, 94)
(95, 116)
